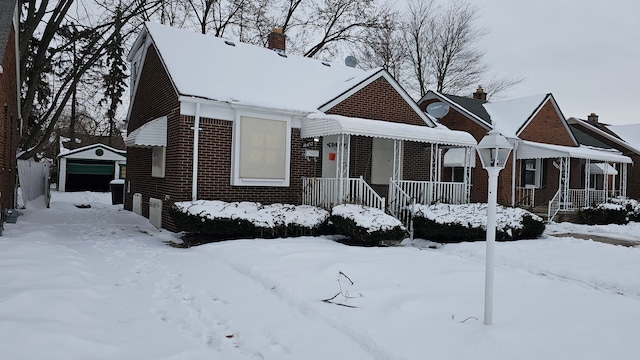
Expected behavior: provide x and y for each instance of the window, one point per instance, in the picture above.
(532, 173)
(261, 151)
(457, 174)
(158, 155)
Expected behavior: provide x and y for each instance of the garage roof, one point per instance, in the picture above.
(91, 152)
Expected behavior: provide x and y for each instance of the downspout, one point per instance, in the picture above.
(196, 133)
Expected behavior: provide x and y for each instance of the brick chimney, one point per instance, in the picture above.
(480, 94)
(276, 41)
(592, 118)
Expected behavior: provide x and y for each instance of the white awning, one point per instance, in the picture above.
(534, 150)
(317, 125)
(602, 168)
(455, 157)
(153, 133)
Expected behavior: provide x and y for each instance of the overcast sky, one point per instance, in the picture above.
(585, 52)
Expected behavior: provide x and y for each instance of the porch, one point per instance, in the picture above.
(603, 175)
(387, 163)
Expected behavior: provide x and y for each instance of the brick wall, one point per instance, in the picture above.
(154, 98)
(378, 101)
(9, 124)
(547, 127)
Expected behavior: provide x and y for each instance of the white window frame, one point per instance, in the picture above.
(236, 179)
(537, 174)
(158, 160)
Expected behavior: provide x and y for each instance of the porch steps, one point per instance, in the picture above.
(562, 216)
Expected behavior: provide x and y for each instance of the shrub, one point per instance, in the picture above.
(367, 226)
(603, 214)
(206, 221)
(631, 205)
(468, 222)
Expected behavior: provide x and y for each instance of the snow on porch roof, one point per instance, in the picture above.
(316, 125)
(534, 150)
(603, 168)
(213, 68)
(153, 133)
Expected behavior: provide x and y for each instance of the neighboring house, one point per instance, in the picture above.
(214, 119)
(548, 168)
(9, 103)
(90, 168)
(624, 138)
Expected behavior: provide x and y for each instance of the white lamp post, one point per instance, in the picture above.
(493, 150)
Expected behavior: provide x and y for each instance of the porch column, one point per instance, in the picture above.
(587, 182)
(397, 159)
(623, 180)
(342, 165)
(563, 187)
(468, 153)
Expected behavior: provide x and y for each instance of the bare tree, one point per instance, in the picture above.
(418, 33)
(46, 89)
(383, 45)
(456, 60)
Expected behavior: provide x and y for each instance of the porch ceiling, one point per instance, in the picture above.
(316, 125)
(153, 133)
(534, 150)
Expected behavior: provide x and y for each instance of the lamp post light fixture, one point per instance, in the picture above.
(493, 150)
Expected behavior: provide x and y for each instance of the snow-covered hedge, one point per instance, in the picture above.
(468, 222)
(603, 214)
(366, 225)
(222, 220)
(631, 205)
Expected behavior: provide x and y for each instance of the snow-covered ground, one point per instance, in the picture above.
(100, 283)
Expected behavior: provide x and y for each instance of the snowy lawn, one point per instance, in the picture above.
(100, 283)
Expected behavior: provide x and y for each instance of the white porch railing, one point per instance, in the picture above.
(429, 192)
(525, 197)
(554, 206)
(325, 193)
(580, 198)
(401, 205)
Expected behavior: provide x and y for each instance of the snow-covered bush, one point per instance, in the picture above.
(631, 205)
(366, 225)
(219, 220)
(468, 222)
(603, 214)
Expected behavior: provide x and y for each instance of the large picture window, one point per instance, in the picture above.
(262, 148)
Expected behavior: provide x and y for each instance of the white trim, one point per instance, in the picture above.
(85, 153)
(236, 180)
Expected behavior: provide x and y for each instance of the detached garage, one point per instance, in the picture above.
(90, 168)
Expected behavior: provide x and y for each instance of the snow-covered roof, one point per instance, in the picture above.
(629, 133)
(89, 152)
(217, 69)
(316, 125)
(509, 116)
(534, 150)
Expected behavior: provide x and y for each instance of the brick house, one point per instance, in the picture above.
(548, 168)
(9, 102)
(624, 138)
(214, 119)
